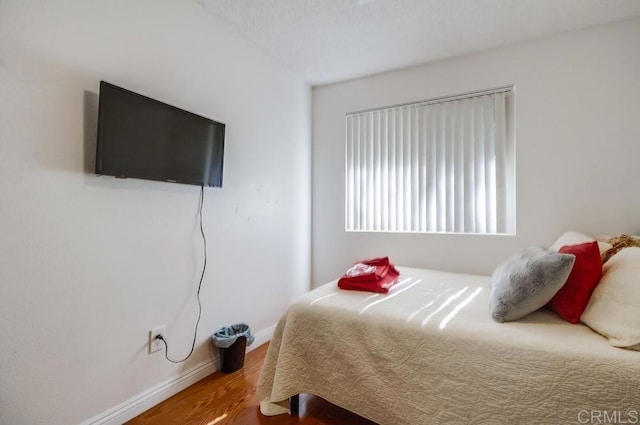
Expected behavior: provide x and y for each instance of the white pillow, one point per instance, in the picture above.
(573, 238)
(614, 308)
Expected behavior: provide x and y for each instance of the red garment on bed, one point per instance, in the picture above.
(374, 275)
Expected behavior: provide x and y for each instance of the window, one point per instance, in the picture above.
(444, 165)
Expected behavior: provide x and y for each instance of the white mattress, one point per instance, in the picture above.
(429, 353)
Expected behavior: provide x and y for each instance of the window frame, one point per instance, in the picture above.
(371, 167)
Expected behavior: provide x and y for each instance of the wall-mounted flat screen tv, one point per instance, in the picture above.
(143, 138)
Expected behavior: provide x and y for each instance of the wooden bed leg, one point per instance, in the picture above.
(294, 405)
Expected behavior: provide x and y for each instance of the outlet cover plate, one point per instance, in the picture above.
(155, 344)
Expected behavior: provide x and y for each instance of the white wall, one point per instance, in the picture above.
(577, 137)
(89, 264)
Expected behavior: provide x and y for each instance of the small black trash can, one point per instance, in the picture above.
(232, 342)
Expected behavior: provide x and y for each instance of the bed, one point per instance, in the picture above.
(428, 352)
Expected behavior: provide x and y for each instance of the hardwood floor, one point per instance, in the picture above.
(221, 399)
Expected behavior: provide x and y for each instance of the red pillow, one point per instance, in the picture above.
(572, 299)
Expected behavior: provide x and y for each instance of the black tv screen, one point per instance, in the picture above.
(143, 138)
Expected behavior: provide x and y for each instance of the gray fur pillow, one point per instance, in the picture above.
(527, 281)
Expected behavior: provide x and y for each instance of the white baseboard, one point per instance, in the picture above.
(262, 337)
(142, 402)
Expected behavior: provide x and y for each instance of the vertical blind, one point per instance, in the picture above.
(446, 165)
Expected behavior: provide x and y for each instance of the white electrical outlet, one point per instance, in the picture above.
(156, 344)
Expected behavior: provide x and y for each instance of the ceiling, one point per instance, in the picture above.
(334, 40)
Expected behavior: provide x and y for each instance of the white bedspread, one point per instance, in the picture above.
(429, 353)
